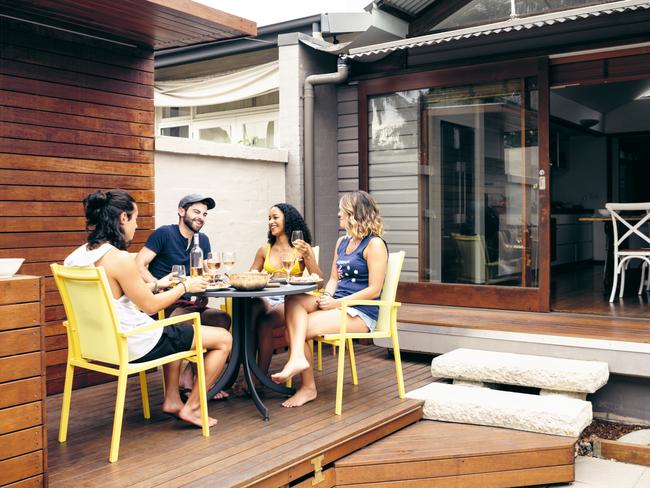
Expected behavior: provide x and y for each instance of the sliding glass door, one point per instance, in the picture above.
(459, 170)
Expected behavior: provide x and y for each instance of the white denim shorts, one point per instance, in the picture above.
(369, 321)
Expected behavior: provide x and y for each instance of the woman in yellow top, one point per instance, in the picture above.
(268, 312)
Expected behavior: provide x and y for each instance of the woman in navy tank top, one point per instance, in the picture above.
(358, 271)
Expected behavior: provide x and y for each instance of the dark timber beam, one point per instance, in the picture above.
(433, 14)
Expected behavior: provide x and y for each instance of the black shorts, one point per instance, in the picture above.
(175, 338)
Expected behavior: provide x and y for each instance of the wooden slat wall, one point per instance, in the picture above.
(76, 114)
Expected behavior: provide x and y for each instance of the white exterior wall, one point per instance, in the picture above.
(290, 120)
(244, 182)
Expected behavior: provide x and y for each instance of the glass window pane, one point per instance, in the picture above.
(168, 112)
(272, 98)
(480, 12)
(216, 134)
(481, 184)
(180, 131)
(393, 170)
(455, 172)
(259, 134)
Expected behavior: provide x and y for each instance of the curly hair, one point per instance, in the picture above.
(363, 214)
(292, 221)
(103, 210)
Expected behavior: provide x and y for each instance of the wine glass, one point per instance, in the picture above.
(212, 264)
(296, 235)
(288, 258)
(178, 274)
(228, 259)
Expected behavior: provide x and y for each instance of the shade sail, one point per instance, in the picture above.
(221, 88)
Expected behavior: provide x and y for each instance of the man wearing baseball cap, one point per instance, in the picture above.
(170, 244)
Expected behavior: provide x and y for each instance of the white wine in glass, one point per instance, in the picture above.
(288, 258)
(296, 235)
(178, 274)
(229, 259)
(213, 263)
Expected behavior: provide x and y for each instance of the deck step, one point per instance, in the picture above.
(521, 411)
(544, 372)
(439, 454)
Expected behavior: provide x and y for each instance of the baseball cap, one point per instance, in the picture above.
(195, 198)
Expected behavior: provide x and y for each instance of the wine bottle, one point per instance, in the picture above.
(196, 258)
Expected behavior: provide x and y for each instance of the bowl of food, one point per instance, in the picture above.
(305, 280)
(10, 266)
(249, 281)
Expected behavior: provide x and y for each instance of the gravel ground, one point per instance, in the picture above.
(603, 429)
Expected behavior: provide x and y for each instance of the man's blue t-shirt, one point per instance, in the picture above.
(171, 248)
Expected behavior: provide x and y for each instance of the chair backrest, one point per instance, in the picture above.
(92, 320)
(389, 291)
(473, 259)
(616, 211)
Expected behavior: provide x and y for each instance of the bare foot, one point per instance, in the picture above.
(290, 369)
(221, 395)
(193, 416)
(302, 396)
(172, 407)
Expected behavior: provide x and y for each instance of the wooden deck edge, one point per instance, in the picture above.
(622, 451)
(517, 477)
(285, 475)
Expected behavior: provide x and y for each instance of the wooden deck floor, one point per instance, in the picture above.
(624, 329)
(242, 449)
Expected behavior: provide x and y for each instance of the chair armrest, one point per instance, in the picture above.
(349, 303)
(194, 316)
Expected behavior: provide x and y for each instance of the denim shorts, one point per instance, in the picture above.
(274, 301)
(369, 321)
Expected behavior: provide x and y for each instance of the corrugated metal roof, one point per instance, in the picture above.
(515, 24)
(411, 7)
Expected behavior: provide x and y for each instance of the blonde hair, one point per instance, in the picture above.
(363, 214)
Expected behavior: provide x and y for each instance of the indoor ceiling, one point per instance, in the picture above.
(607, 96)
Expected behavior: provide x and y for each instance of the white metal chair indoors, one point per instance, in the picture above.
(620, 216)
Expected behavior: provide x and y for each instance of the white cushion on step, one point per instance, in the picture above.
(521, 411)
(521, 369)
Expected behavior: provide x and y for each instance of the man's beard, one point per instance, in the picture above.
(191, 224)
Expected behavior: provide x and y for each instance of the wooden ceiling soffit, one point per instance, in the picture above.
(156, 24)
(432, 15)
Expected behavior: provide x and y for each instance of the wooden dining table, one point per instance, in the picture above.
(243, 341)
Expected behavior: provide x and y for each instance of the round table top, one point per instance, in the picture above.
(266, 292)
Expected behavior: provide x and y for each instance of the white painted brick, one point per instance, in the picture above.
(241, 189)
(522, 369)
(520, 411)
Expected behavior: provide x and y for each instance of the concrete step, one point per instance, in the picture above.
(506, 368)
(521, 411)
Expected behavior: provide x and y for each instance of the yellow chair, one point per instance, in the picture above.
(94, 337)
(386, 328)
(475, 265)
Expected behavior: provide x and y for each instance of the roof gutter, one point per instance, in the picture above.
(341, 74)
(267, 37)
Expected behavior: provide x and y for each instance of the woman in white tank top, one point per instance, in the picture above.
(111, 217)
